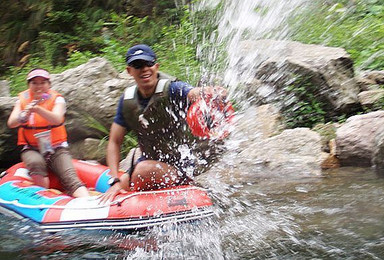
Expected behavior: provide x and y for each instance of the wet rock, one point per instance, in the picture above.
(259, 122)
(331, 161)
(325, 73)
(327, 133)
(378, 153)
(293, 153)
(356, 139)
(92, 91)
(369, 98)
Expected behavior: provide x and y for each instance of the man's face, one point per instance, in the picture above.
(145, 75)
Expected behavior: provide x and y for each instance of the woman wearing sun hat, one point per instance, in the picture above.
(39, 115)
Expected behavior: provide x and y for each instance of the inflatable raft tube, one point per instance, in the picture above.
(53, 211)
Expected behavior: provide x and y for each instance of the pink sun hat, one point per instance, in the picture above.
(38, 73)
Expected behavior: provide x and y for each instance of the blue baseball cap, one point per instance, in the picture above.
(140, 52)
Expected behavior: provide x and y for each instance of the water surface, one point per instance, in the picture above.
(336, 216)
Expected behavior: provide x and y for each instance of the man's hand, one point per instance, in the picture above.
(217, 93)
(111, 193)
(211, 114)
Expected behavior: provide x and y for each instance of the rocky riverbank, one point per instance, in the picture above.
(261, 134)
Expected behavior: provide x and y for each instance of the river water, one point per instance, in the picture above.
(338, 215)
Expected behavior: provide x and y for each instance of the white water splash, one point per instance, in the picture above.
(239, 22)
(244, 222)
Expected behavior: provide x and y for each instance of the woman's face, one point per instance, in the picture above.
(39, 86)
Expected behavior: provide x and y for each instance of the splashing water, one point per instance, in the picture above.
(272, 219)
(237, 23)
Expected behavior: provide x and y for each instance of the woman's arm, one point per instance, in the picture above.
(13, 120)
(55, 117)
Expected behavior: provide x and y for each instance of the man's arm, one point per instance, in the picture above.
(116, 137)
(194, 94)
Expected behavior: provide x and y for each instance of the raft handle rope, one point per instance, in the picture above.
(118, 202)
(2, 174)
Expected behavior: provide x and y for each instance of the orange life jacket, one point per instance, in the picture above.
(40, 124)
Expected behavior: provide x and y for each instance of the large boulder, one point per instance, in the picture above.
(90, 149)
(258, 123)
(378, 153)
(92, 91)
(4, 88)
(9, 153)
(356, 139)
(294, 153)
(287, 73)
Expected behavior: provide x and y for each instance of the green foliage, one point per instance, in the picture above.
(177, 52)
(172, 42)
(17, 76)
(152, 9)
(59, 40)
(357, 26)
(51, 30)
(19, 25)
(327, 130)
(77, 58)
(130, 140)
(59, 35)
(303, 106)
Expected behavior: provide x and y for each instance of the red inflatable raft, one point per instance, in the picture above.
(54, 211)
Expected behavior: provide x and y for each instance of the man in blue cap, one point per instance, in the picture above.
(155, 110)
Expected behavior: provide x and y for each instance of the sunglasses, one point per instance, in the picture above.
(141, 64)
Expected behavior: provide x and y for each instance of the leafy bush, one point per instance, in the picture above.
(17, 76)
(304, 108)
(356, 26)
(172, 42)
(51, 30)
(176, 54)
(129, 142)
